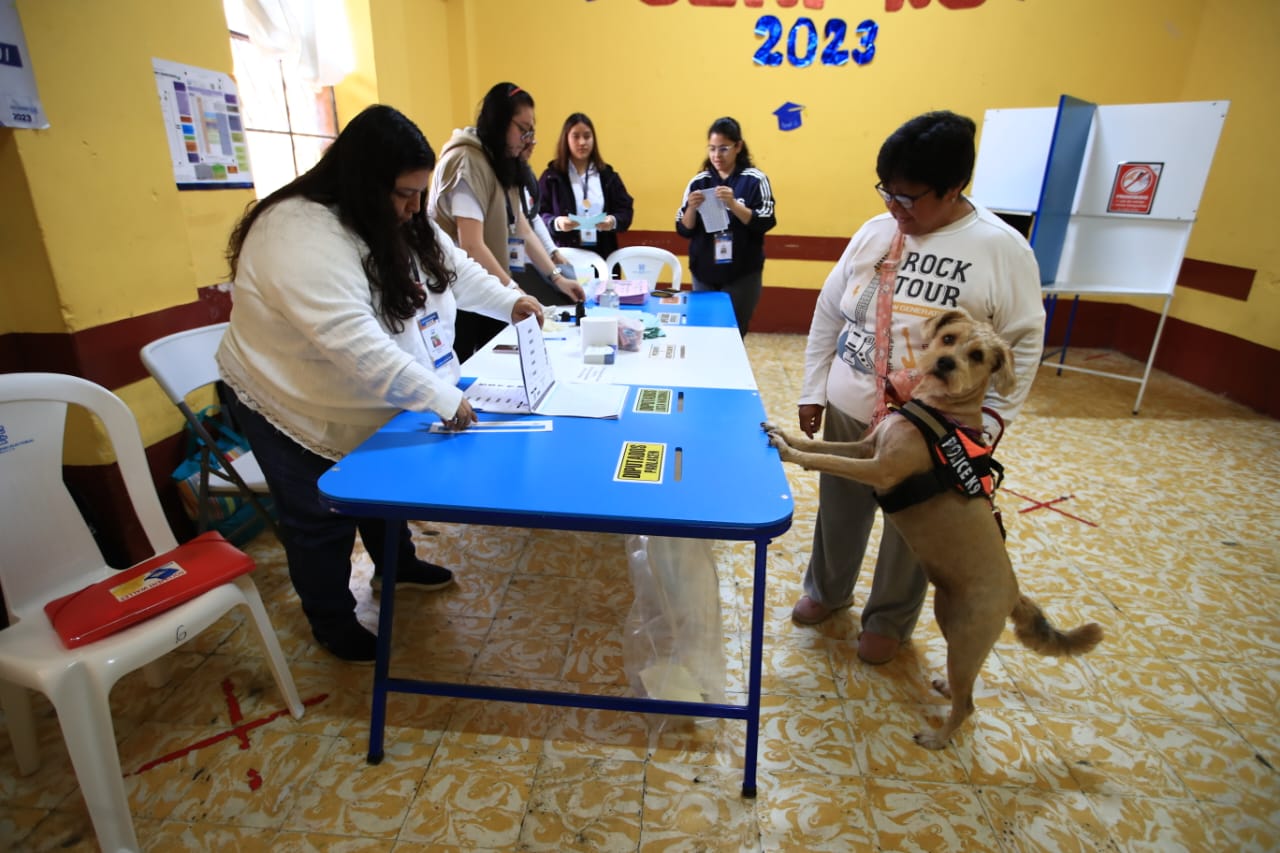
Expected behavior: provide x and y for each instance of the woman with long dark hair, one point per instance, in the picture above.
(579, 184)
(729, 258)
(345, 297)
(478, 198)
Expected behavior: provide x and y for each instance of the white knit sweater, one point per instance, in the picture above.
(306, 347)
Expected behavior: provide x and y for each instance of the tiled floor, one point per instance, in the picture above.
(1165, 528)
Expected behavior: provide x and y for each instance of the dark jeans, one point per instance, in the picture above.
(743, 292)
(317, 542)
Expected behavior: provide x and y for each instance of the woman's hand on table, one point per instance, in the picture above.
(464, 417)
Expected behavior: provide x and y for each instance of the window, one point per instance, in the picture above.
(288, 121)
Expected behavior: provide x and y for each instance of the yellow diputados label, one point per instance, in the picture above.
(641, 462)
(653, 401)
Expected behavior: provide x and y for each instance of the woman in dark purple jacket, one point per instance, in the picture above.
(579, 186)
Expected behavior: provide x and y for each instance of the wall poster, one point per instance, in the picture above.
(206, 132)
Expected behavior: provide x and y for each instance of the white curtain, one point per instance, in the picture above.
(314, 34)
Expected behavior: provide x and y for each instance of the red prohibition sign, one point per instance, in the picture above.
(1134, 187)
(1137, 179)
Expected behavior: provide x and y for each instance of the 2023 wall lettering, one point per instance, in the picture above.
(802, 55)
(802, 37)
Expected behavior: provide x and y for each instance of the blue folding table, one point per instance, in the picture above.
(720, 479)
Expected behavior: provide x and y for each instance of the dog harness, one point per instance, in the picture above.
(961, 461)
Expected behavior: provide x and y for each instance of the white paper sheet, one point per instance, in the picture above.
(488, 395)
(584, 400)
(490, 427)
(715, 216)
(688, 356)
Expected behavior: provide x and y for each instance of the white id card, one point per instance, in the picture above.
(588, 236)
(724, 247)
(516, 256)
(429, 327)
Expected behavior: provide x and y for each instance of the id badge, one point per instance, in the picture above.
(429, 327)
(724, 247)
(516, 257)
(588, 236)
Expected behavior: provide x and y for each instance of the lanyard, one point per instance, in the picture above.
(528, 211)
(586, 176)
(888, 274)
(524, 206)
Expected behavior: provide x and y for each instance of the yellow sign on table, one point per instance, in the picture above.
(641, 462)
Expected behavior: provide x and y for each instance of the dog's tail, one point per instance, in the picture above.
(1034, 631)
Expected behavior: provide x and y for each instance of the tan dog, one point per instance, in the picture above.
(956, 538)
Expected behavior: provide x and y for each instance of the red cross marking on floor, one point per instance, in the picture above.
(1049, 504)
(239, 730)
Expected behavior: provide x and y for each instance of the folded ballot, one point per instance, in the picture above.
(539, 392)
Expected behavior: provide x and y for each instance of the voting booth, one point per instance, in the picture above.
(1110, 194)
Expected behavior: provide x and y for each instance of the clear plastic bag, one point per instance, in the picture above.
(673, 644)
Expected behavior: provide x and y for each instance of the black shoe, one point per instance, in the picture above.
(348, 640)
(419, 575)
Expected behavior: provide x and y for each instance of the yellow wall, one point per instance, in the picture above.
(118, 238)
(413, 58)
(27, 290)
(360, 88)
(1237, 56)
(94, 230)
(97, 230)
(654, 84)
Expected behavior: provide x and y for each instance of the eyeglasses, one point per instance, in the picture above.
(906, 202)
(722, 150)
(526, 133)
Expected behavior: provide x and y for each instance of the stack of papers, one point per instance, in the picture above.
(715, 216)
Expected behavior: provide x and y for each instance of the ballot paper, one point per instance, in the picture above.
(539, 392)
(588, 220)
(715, 216)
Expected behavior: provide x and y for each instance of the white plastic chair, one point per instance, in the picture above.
(646, 262)
(49, 552)
(583, 258)
(182, 363)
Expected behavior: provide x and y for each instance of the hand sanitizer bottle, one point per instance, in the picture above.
(609, 296)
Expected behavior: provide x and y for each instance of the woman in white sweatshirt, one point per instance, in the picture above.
(345, 298)
(954, 253)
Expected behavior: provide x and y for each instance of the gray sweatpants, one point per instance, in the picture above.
(846, 512)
